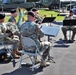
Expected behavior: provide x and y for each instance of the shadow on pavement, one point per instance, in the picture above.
(61, 43)
(24, 71)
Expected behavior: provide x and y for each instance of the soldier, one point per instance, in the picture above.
(31, 29)
(8, 37)
(14, 29)
(38, 19)
(2, 28)
(13, 15)
(66, 28)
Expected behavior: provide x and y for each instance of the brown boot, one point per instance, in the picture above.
(37, 60)
(44, 64)
(15, 55)
(18, 52)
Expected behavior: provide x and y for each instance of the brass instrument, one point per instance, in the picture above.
(39, 18)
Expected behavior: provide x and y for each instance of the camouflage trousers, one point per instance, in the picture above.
(44, 47)
(12, 41)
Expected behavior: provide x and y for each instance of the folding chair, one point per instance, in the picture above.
(28, 42)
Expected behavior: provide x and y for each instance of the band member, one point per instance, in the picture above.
(66, 28)
(12, 40)
(8, 37)
(2, 27)
(31, 29)
(38, 19)
(13, 15)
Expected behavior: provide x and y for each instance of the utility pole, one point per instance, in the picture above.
(70, 4)
(2, 8)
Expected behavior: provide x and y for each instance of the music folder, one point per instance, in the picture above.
(70, 22)
(50, 31)
(48, 19)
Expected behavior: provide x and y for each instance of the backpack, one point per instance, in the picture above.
(4, 55)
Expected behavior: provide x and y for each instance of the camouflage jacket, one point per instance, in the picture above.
(2, 28)
(2, 31)
(12, 27)
(12, 19)
(31, 29)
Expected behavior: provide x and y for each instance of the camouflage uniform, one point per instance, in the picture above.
(12, 19)
(13, 27)
(66, 28)
(30, 29)
(12, 40)
(2, 30)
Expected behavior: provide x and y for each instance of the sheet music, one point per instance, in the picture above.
(50, 30)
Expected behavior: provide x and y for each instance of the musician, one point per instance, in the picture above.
(2, 27)
(38, 19)
(66, 28)
(31, 29)
(8, 37)
(12, 39)
(13, 15)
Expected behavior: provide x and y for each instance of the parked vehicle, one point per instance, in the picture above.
(8, 4)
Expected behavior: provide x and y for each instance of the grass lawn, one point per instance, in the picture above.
(42, 13)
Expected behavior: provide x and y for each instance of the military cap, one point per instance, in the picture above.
(34, 9)
(2, 15)
(13, 10)
(31, 13)
(71, 11)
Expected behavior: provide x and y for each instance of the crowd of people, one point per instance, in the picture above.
(12, 31)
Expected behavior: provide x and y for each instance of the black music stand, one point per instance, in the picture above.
(48, 19)
(50, 31)
(70, 22)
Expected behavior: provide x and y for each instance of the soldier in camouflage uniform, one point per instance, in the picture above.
(2, 28)
(15, 35)
(13, 15)
(31, 29)
(7, 39)
(38, 19)
(66, 28)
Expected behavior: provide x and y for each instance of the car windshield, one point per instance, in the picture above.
(3, 1)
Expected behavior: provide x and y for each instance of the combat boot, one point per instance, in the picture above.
(15, 55)
(37, 60)
(44, 64)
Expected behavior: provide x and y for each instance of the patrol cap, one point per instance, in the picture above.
(31, 13)
(71, 11)
(13, 10)
(34, 9)
(2, 16)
